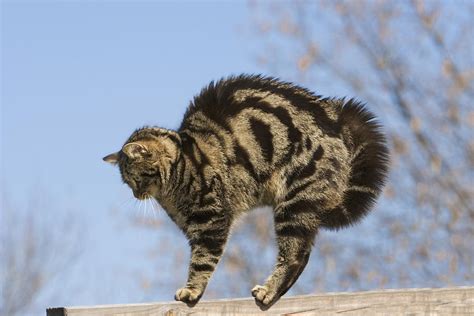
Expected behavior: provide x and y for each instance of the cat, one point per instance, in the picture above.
(248, 141)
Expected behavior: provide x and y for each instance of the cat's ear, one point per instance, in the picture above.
(135, 150)
(112, 158)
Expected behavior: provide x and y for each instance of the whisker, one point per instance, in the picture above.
(134, 206)
(146, 206)
(156, 208)
(131, 205)
(152, 207)
(122, 203)
(125, 201)
(142, 209)
(140, 212)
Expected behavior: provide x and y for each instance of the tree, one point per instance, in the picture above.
(35, 244)
(412, 62)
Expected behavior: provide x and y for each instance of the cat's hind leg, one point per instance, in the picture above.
(296, 225)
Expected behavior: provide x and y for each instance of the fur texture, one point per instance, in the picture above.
(249, 141)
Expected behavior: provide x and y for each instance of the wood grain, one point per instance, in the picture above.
(443, 301)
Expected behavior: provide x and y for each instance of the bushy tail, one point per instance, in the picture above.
(367, 145)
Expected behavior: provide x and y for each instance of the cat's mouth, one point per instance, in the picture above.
(141, 196)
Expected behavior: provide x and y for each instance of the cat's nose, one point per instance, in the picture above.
(137, 195)
(140, 196)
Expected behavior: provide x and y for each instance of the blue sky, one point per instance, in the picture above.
(77, 79)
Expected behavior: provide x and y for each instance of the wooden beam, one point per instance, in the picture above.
(443, 301)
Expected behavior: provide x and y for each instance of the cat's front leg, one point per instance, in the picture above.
(207, 246)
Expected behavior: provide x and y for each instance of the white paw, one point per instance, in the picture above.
(262, 295)
(188, 295)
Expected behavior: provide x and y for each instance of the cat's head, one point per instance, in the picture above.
(147, 159)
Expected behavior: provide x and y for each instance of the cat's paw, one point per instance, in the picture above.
(188, 295)
(264, 297)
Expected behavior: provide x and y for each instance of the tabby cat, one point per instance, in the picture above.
(248, 141)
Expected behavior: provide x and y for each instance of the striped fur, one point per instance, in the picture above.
(250, 141)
